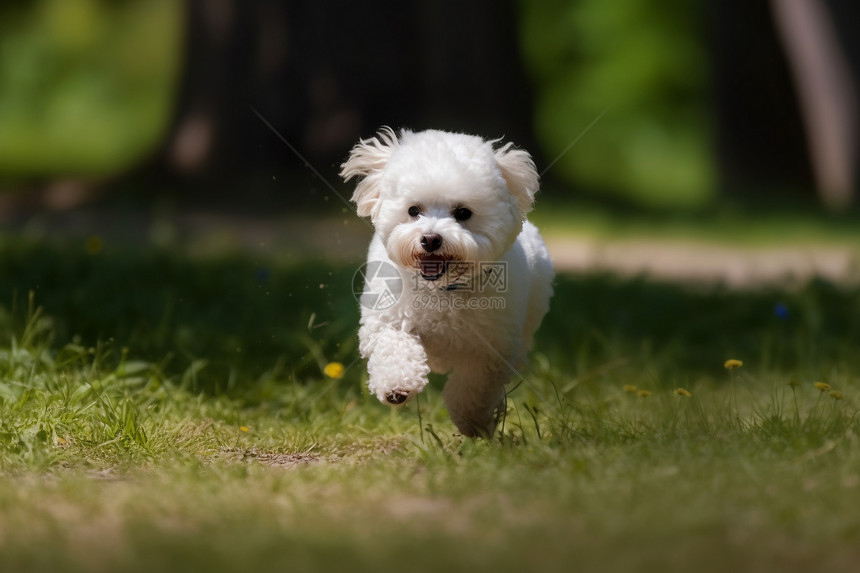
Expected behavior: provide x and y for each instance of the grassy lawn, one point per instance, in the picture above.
(162, 412)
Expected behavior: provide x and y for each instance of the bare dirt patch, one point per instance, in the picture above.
(275, 459)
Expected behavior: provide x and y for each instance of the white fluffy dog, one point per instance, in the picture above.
(457, 280)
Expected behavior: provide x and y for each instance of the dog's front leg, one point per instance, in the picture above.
(396, 362)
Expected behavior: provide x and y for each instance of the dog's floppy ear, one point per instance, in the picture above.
(520, 174)
(366, 161)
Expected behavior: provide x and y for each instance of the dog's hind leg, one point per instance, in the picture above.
(475, 397)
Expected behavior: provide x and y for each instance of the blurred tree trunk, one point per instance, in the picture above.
(217, 69)
(761, 148)
(785, 97)
(195, 148)
(324, 73)
(828, 94)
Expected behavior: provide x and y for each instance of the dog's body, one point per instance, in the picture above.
(467, 278)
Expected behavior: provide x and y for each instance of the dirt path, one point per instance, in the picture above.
(704, 263)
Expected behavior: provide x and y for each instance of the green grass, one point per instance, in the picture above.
(135, 436)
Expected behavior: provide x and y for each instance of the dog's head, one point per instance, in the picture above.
(436, 197)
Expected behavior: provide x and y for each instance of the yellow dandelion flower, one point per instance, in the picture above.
(643, 393)
(629, 388)
(823, 386)
(731, 364)
(683, 392)
(244, 428)
(94, 245)
(333, 370)
(835, 395)
(793, 383)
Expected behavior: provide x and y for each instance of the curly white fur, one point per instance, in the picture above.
(449, 211)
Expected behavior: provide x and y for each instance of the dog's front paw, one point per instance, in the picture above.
(397, 397)
(397, 367)
(398, 389)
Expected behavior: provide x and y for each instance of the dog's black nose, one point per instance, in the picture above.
(431, 242)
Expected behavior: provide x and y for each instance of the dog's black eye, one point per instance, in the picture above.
(462, 214)
(414, 211)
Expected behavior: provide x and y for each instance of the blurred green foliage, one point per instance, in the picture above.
(85, 85)
(644, 64)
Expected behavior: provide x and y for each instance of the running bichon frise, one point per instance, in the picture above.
(457, 279)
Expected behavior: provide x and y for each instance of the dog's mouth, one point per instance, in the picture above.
(432, 266)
